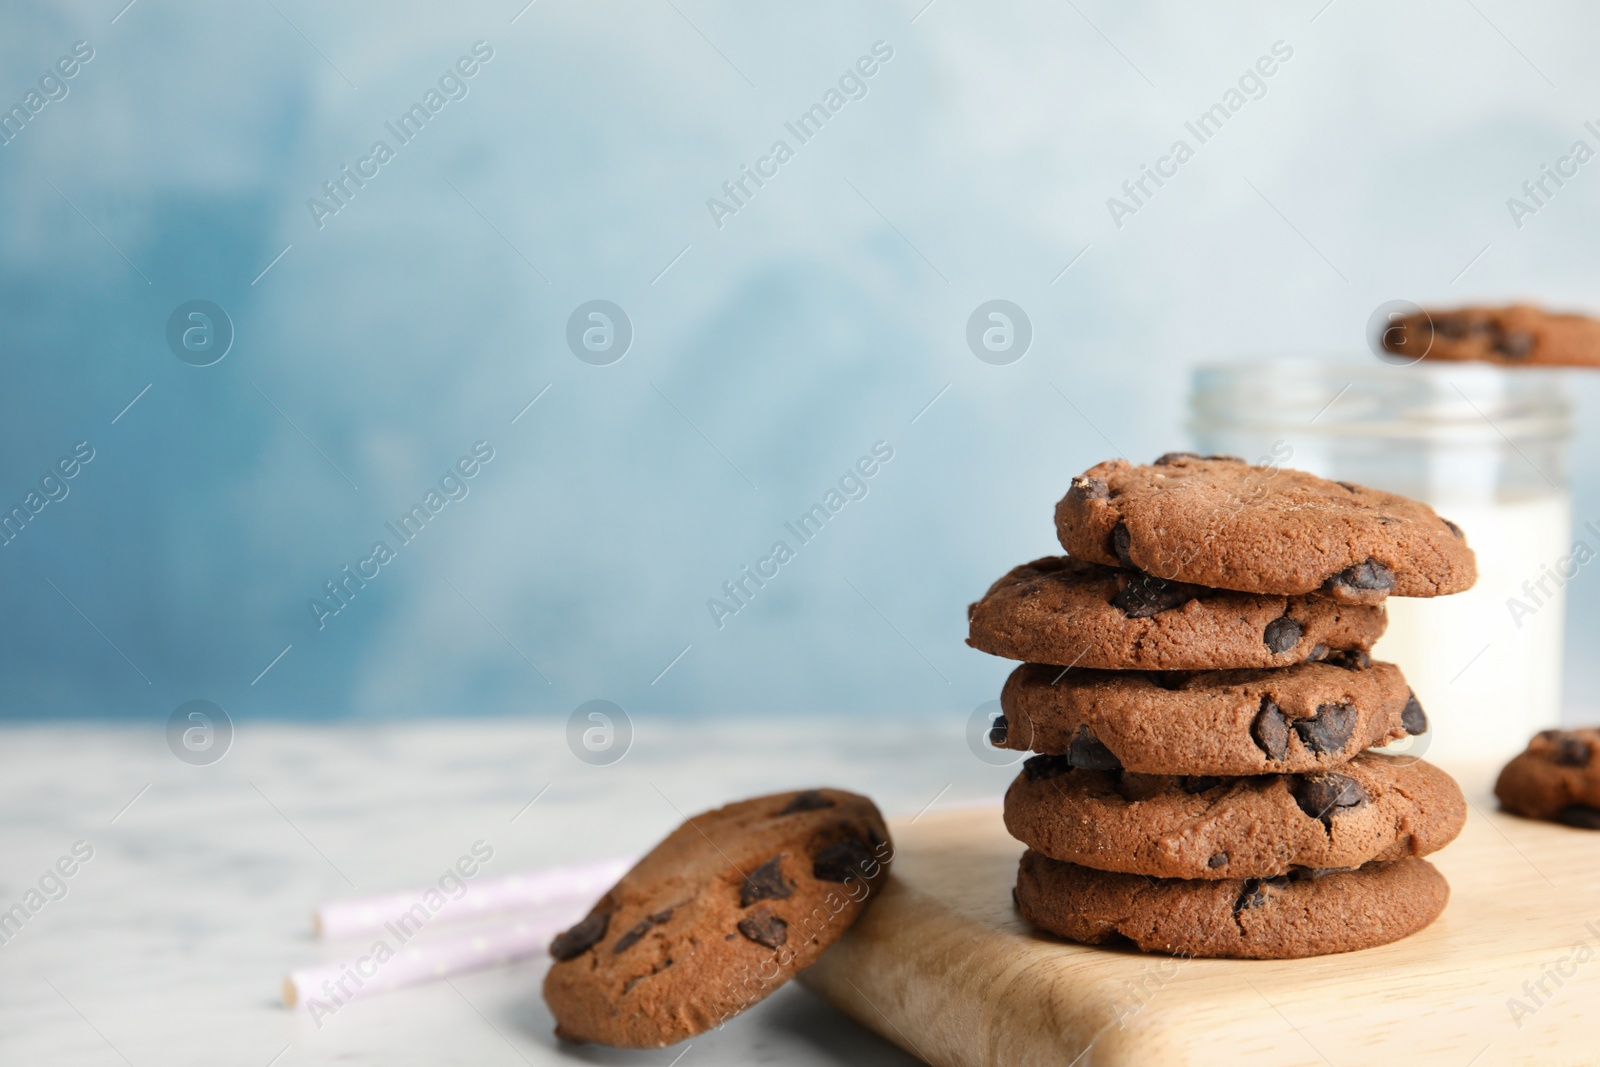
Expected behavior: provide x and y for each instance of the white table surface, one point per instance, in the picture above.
(170, 944)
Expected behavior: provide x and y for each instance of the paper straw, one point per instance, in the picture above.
(336, 984)
(484, 896)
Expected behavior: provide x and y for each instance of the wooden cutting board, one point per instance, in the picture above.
(943, 966)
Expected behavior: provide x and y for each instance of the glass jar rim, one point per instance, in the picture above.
(1306, 393)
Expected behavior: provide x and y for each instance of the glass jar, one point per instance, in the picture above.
(1486, 447)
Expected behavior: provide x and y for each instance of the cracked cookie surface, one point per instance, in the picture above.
(1312, 716)
(1220, 522)
(1071, 612)
(1203, 827)
(1306, 914)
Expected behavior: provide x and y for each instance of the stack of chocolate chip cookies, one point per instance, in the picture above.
(1197, 684)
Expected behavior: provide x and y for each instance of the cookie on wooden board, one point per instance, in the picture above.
(1312, 716)
(1071, 612)
(1308, 913)
(1220, 522)
(719, 914)
(1374, 807)
(1517, 335)
(1557, 777)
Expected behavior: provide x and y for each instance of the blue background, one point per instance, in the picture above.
(769, 352)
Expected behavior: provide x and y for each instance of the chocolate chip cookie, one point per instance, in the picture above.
(1223, 523)
(723, 911)
(1071, 612)
(1309, 717)
(1306, 913)
(1371, 808)
(1517, 335)
(1557, 777)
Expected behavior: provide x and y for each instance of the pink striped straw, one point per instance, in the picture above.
(323, 990)
(483, 896)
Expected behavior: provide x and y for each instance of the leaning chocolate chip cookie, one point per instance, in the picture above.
(1518, 335)
(1307, 913)
(1309, 717)
(1220, 522)
(1372, 808)
(1071, 612)
(725, 910)
(1557, 777)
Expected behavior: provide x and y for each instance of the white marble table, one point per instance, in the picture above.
(169, 944)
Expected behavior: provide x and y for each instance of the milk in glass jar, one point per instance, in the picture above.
(1486, 448)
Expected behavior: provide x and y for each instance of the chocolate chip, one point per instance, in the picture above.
(1120, 540)
(1350, 659)
(1219, 860)
(1281, 634)
(998, 731)
(1167, 458)
(1225, 459)
(1454, 528)
(1516, 344)
(1453, 326)
(764, 928)
(1193, 784)
(629, 939)
(1145, 595)
(572, 943)
(810, 800)
(1270, 730)
(1580, 815)
(1348, 486)
(1329, 729)
(1088, 753)
(765, 883)
(1253, 895)
(1318, 653)
(1368, 577)
(1571, 752)
(1412, 717)
(1323, 796)
(1041, 768)
(841, 860)
(1090, 489)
